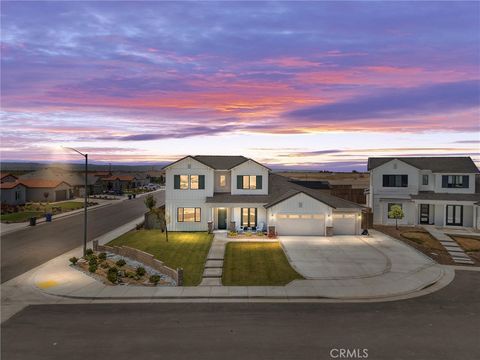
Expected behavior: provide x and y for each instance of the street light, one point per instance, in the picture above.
(85, 200)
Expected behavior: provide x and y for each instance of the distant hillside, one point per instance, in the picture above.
(23, 167)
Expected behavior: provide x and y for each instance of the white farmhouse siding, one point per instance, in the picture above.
(300, 215)
(177, 198)
(436, 185)
(249, 168)
(13, 194)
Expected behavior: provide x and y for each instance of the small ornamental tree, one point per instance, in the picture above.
(396, 213)
(150, 202)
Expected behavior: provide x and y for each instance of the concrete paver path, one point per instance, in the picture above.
(455, 251)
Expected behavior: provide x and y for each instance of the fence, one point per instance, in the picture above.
(144, 258)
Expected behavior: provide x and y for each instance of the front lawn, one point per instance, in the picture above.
(21, 216)
(187, 250)
(39, 209)
(256, 263)
(471, 245)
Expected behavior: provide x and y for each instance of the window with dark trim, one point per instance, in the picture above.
(389, 208)
(249, 217)
(249, 182)
(455, 181)
(186, 182)
(189, 214)
(395, 180)
(424, 179)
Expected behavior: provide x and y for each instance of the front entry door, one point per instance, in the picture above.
(455, 215)
(424, 213)
(222, 219)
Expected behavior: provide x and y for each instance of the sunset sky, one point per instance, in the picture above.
(313, 85)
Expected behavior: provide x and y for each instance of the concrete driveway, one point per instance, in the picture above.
(350, 257)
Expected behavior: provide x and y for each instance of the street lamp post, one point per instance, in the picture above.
(85, 200)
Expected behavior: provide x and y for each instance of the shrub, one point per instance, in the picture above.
(232, 233)
(140, 271)
(102, 256)
(92, 268)
(92, 261)
(129, 274)
(154, 279)
(112, 276)
(113, 269)
(104, 265)
(88, 252)
(121, 263)
(73, 260)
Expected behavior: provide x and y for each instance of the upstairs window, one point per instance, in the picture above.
(249, 182)
(395, 180)
(455, 181)
(424, 179)
(186, 182)
(223, 180)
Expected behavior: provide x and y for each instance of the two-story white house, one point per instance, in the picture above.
(234, 192)
(431, 190)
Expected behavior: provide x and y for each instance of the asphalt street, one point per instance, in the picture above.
(25, 249)
(442, 325)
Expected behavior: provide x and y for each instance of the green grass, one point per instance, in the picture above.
(256, 263)
(38, 210)
(187, 250)
(20, 216)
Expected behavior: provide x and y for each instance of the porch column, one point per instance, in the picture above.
(417, 215)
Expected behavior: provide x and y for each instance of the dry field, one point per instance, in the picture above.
(357, 180)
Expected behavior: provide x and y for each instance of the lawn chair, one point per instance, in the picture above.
(260, 227)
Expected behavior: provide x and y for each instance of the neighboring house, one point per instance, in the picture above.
(234, 192)
(118, 183)
(430, 190)
(8, 178)
(75, 179)
(13, 193)
(57, 190)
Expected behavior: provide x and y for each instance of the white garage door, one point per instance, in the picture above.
(344, 224)
(300, 224)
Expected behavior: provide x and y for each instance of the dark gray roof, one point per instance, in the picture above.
(436, 164)
(219, 162)
(428, 195)
(281, 188)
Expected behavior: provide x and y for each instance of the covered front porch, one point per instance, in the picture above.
(236, 217)
(445, 213)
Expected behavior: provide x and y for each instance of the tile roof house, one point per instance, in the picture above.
(6, 177)
(234, 192)
(438, 191)
(13, 193)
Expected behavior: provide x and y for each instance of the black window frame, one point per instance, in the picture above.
(182, 211)
(249, 225)
(395, 180)
(425, 179)
(258, 182)
(177, 182)
(451, 181)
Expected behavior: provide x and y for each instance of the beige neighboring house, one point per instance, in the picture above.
(13, 193)
(57, 190)
(7, 178)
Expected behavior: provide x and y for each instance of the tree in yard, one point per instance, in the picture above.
(396, 213)
(163, 220)
(150, 202)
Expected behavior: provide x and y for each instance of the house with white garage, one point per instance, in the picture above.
(437, 191)
(38, 190)
(235, 192)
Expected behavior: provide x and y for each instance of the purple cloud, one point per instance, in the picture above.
(424, 100)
